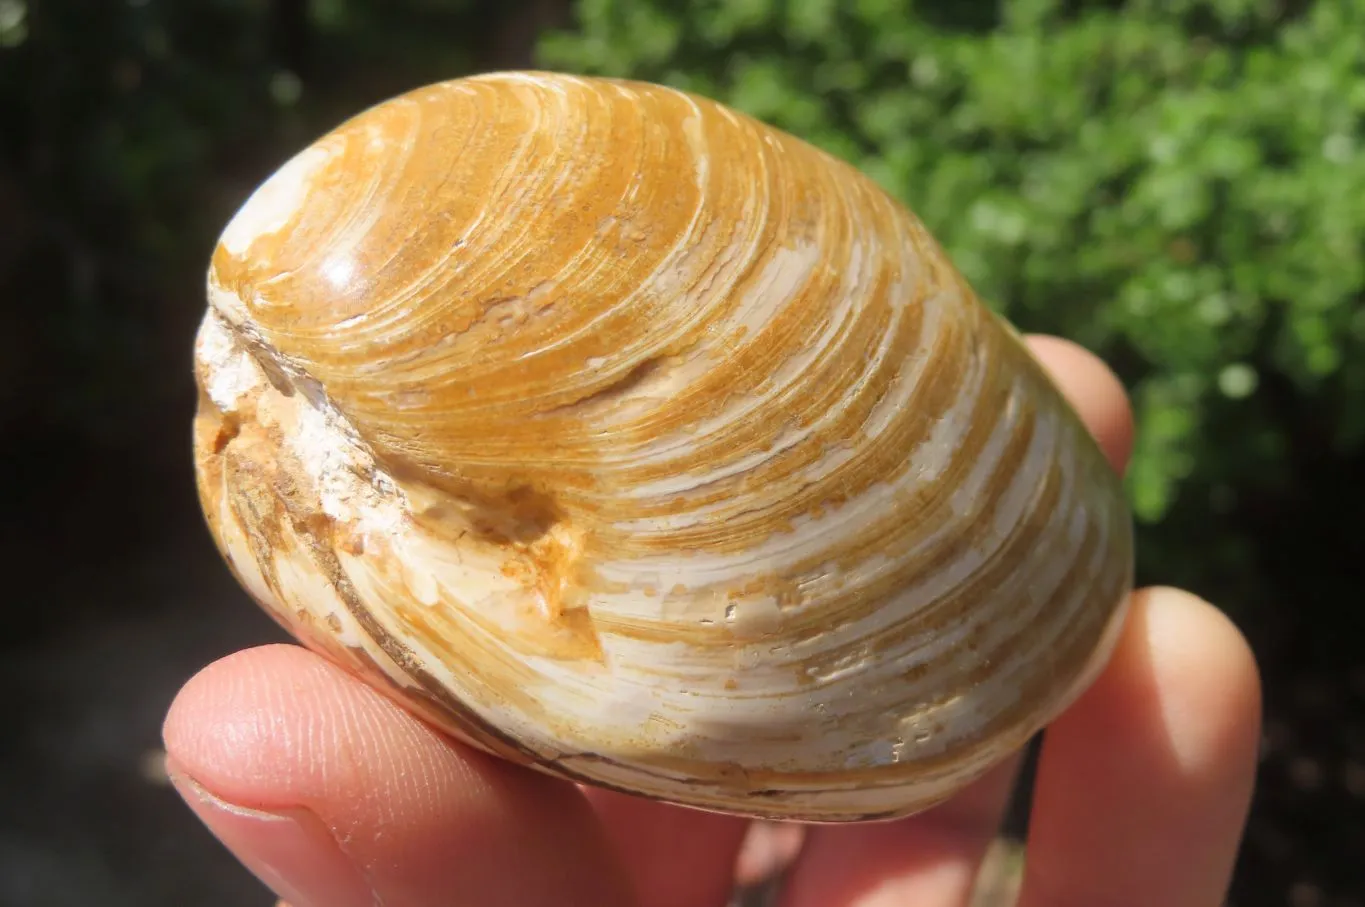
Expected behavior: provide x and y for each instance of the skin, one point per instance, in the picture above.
(336, 797)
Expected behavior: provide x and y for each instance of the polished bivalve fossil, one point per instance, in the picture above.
(626, 437)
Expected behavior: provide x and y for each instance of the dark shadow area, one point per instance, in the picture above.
(131, 133)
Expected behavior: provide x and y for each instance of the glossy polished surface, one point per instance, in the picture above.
(627, 437)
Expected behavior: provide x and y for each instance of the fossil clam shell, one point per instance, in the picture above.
(628, 438)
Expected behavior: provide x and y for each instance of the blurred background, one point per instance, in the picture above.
(1179, 185)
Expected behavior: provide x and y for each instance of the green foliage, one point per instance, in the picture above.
(1180, 186)
(1177, 184)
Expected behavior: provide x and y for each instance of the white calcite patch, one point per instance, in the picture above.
(275, 203)
(228, 371)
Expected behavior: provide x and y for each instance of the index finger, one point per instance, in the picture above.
(1143, 787)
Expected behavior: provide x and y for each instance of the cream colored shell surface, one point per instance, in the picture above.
(629, 438)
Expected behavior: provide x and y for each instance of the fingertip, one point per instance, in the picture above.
(1145, 783)
(229, 714)
(1093, 390)
(1182, 686)
(1205, 675)
(273, 744)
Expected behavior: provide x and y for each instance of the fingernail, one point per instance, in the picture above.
(291, 851)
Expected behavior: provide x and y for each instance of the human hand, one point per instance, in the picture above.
(336, 797)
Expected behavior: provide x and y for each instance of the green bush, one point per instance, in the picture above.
(1177, 184)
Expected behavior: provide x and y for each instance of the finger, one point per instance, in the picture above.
(769, 848)
(929, 860)
(676, 857)
(334, 796)
(933, 859)
(1144, 785)
(1093, 390)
